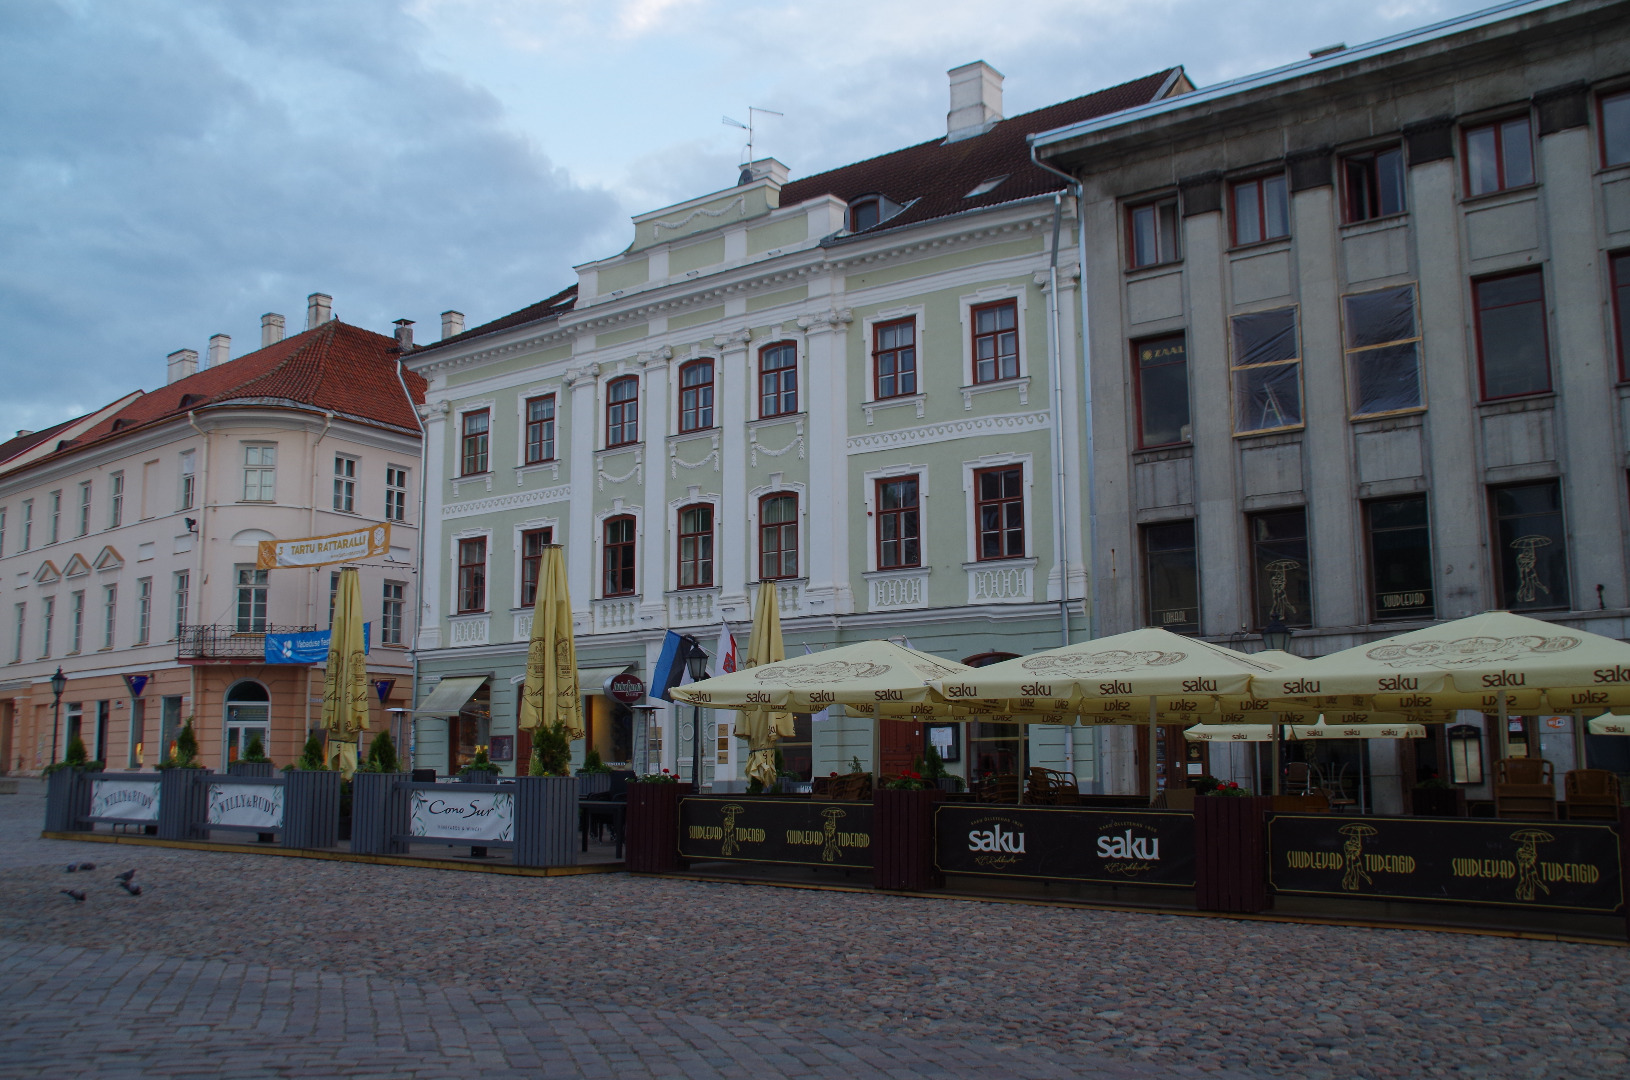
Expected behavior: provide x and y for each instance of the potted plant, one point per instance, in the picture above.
(651, 842)
(183, 789)
(903, 832)
(932, 766)
(311, 799)
(480, 770)
(1229, 828)
(377, 817)
(1434, 797)
(594, 775)
(546, 802)
(253, 761)
(67, 798)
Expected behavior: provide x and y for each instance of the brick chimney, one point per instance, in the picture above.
(183, 362)
(220, 350)
(976, 100)
(271, 329)
(452, 324)
(319, 309)
(404, 335)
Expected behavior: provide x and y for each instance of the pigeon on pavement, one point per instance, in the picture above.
(133, 890)
(87, 866)
(74, 894)
(70, 868)
(124, 877)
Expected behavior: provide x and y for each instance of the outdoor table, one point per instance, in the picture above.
(616, 808)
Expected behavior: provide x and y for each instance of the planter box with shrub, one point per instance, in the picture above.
(311, 809)
(546, 820)
(379, 813)
(651, 845)
(1231, 852)
(903, 839)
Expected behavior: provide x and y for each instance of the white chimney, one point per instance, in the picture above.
(976, 100)
(452, 324)
(319, 309)
(220, 350)
(271, 329)
(183, 362)
(404, 335)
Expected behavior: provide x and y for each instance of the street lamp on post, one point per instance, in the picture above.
(696, 665)
(1276, 636)
(59, 683)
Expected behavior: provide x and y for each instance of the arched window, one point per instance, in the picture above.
(696, 547)
(619, 556)
(622, 411)
(778, 536)
(696, 396)
(778, 379)
(248, 717)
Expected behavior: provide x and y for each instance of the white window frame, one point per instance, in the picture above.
(181, 597)
(997, 461)
(188, 491)
(869, 488)
(994, 294)
(76, 622)
(384, 610)
(85, 497)
(259, 470)
(48, 616)
(392, 489)
(144, 610)
(116, 500)
(28, 525)
(110, 615)
(237, 585)
(56, 516)
(22, 632)
(346, 482)
(452, 557)
(869, 400)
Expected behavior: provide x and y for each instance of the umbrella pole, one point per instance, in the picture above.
(1503, 741)
(1153, 747)
(1580, 748)
(1363, 752)
(1278, 734)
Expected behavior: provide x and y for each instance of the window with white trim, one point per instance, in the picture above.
(396, 485)
(259, 473)
(345, 483)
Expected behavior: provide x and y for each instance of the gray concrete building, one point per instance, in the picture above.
(1358, 359)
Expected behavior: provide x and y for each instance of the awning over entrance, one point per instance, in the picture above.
(450, 695)
(592, 680)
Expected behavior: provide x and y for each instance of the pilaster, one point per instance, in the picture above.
(826, 395)
(731, 571)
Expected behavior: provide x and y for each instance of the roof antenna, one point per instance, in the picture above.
(746, 173)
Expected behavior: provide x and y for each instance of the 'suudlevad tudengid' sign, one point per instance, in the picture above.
(258, 806)
(125, 800)
(459, 815)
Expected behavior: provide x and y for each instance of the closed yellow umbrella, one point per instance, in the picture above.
(345, 679)
(550, 692)
(763, 729)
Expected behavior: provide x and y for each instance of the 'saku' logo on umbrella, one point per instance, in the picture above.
(1481, 649)
(1101, 663)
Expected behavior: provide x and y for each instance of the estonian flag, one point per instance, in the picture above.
(670, 670)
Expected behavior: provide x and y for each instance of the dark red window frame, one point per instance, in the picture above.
(618, 536)
(1140, 374)
(696, 546)
(996, 338)
(540, 431)
(622, 414)
(696, 398)
(999, 513)
(777, 540)
(1545, 333)
(778, 385)
(1502, 182)
(474, 445)
(898, 353)
(533, 541)
(1619, 278)
(1362, 187)
(1261, 185)
(1161, 256)
(472, 575)
(900, 525)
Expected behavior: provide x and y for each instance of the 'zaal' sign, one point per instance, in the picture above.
(795, 831)
(1542, 864)
(1107, 847)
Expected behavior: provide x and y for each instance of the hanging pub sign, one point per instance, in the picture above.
(354, 546)
(1105, 847)
(627, 688)
(124, 800)
(245, 806)
(1541, 864)
(448, 813)
(797, 831)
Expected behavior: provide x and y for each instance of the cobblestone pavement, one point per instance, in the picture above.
(241, 964)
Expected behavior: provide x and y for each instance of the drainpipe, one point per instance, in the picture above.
(418, 584)
(1055, 373)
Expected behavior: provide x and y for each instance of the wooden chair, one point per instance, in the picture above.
(1525, 788)
(1049, 787)
(997, 788)
(852, 787)
(1298, 778)
(1335, 790)
(1591, 795)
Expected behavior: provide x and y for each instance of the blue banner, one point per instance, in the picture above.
(310, 647)
(669, 669)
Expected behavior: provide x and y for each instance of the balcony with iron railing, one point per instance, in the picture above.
(227, 644)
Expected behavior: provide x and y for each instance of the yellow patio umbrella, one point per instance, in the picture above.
(872, 678)
(345, 678)
(1493, 662)
(549, 691)
(1609, 724)
(760, 727)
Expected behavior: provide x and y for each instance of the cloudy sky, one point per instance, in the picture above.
(171, 169)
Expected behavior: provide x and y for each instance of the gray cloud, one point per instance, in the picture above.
(175, 169)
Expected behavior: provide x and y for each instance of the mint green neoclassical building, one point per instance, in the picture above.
(864, 385)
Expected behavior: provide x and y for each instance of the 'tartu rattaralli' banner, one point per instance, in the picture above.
(364, 543)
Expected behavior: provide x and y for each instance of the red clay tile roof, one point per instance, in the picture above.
(934, 177)
(14, 446)
(336, 366)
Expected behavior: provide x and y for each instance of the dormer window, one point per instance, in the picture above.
(864, 213)
(985, 187)
(189, 400)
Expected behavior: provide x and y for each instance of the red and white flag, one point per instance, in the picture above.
(724, 656)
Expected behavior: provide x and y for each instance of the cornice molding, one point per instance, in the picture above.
(947, 431)
(517, 501)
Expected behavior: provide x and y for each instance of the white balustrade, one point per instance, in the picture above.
(619, 613)
(465, 630)
(891, 590)
(1007, 582)
(690, 607)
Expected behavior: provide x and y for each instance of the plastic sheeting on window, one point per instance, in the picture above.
(1386, 379)
(1382, 317)
(1265, 337)
(1267, 396)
